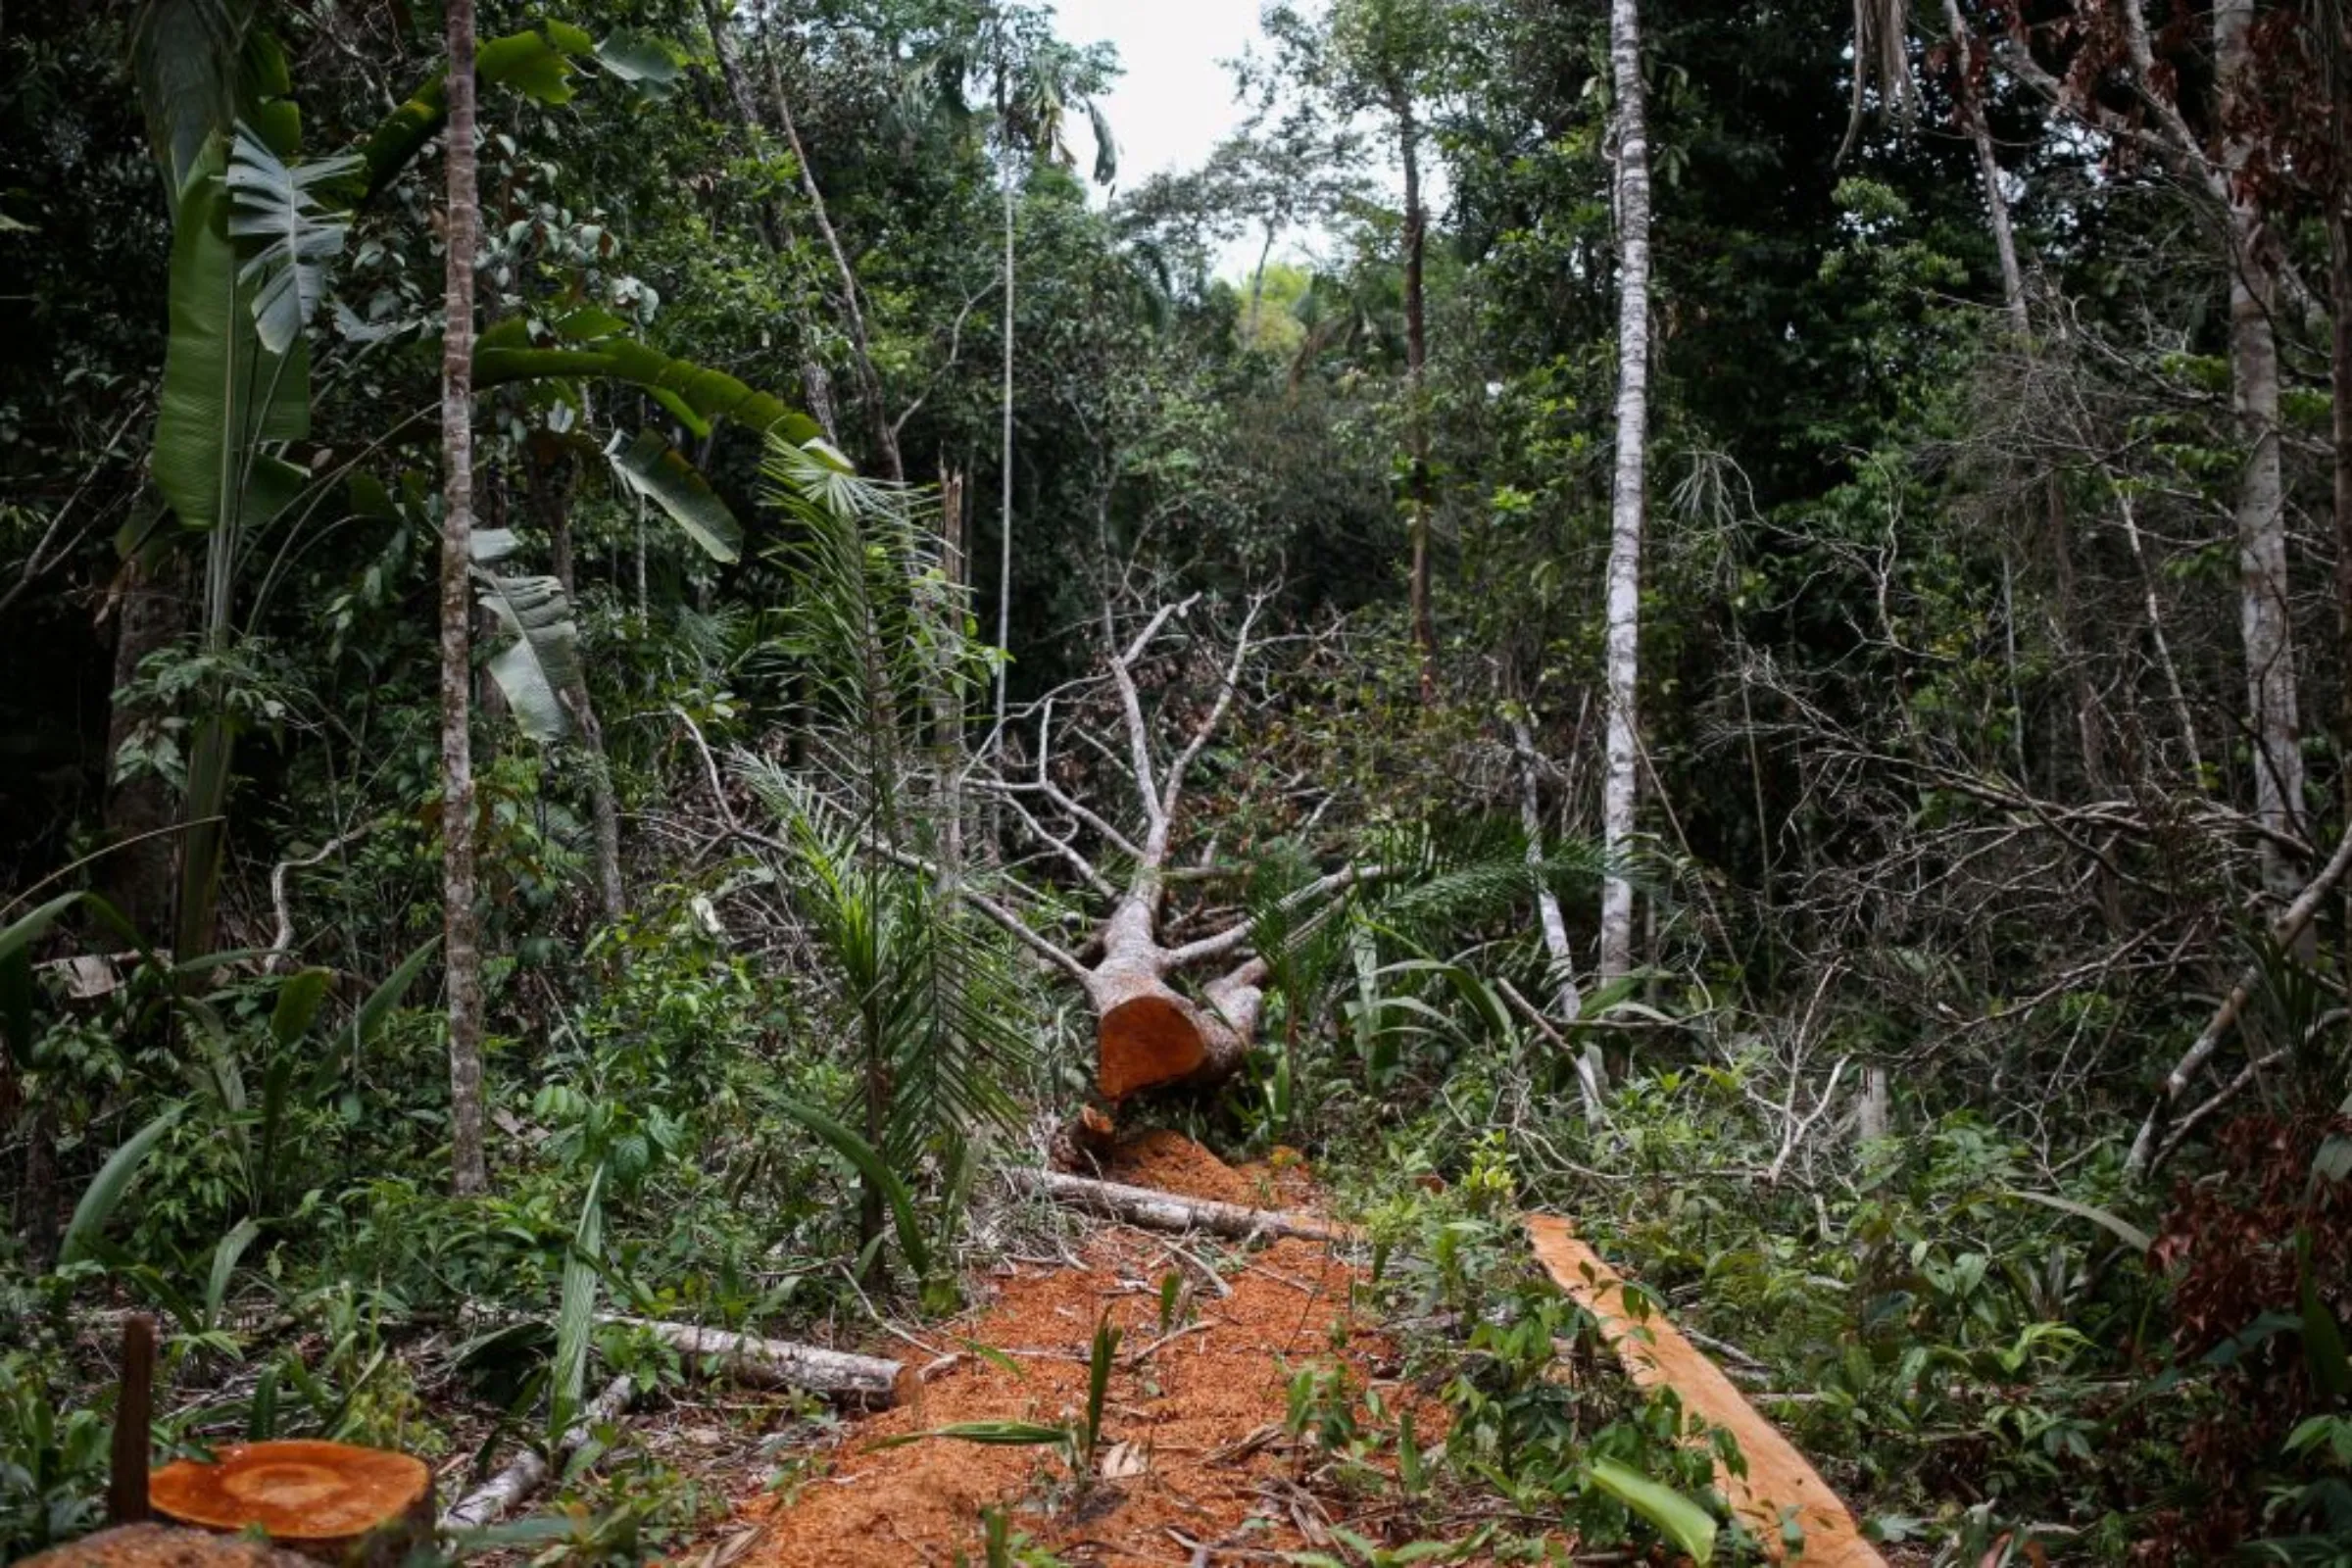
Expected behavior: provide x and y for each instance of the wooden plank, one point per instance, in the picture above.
(1655, 1353)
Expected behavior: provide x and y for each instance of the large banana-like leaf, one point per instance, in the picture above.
(290, 237)
(190, 59)
(588, 344)
(225, 393)
(543, 661)
(652, 469)
(537, 62)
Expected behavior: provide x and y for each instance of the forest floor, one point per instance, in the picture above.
(1194, 1465)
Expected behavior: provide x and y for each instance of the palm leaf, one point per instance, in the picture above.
(1679, 1520)
(575, 1309)
(106, 1190)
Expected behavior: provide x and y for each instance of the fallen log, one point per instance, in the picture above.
(329, 1501)
(530, 1469)
(1654, 1353)
(779, 1364)
(1163, 1212)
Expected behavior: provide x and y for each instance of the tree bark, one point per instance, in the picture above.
(140, 878)
(885, 433)
(1989, 168)
(1158, 1210)
(1005, 455)
(1591, 1071)
(1629, 492)
(2264, 615)
(1416, 361)
(2339, 378)
(530, 1469)
(552, 504)
(779, 1364)
(460, 923)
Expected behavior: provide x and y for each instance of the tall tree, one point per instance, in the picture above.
(1383, 52)
(1629, 490)
(1035, 85)
(462, 946)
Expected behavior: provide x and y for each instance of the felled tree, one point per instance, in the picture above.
(1149, 1033)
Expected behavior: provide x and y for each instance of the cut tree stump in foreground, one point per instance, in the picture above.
(326, 1501)
(779, 1364)
(1653, 1353)
(1161, 1211)
(164, 1546)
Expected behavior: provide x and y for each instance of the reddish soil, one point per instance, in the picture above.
(1194, 1450)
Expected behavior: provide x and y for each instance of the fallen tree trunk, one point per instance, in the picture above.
(779, 1364)
(1779, 1483)
(1163, 1212)
(530, 1469)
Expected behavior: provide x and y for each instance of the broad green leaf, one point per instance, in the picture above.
(224, 393)
(2123, 1230)
(576, 1312)
(861, 1154)
(26, 929)
(289, 236)
(105, 1192)
(231, 1248)
(652, 469)
(643, 61)
(542, 665)
(581, 347)
(298, 1003)
(1690, 1527)
(369, 1021)
(536, 63)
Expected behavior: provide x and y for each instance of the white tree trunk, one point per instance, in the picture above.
(1619, 795)
(1989, 168)
(1005, 457)
(462, 946)
(2264, 618)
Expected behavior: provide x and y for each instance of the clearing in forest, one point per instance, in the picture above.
(1199, 1460)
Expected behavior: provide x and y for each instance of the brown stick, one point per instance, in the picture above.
(1162, 1212)
(134, 1416)
(778, 1364)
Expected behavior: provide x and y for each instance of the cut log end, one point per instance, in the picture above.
(326, 1501)
(1147, 1039)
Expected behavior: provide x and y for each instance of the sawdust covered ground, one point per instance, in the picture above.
(1192, 1425)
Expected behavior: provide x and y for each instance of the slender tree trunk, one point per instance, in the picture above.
(2340, 281)
(1989, 168)
(1628, 493)
(550, 500)
(140, 878)
(1005, 457)
(1592, 1070)
(1417, 360)
(1257, 290)
(885, 436)
(2264, 615)
(462, 946)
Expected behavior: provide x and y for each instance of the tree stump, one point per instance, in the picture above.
(157, 1547)
(329, 1501)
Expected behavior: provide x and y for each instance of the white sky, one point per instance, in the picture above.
(1173, 101)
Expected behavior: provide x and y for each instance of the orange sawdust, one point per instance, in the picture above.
(1193, 1444)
